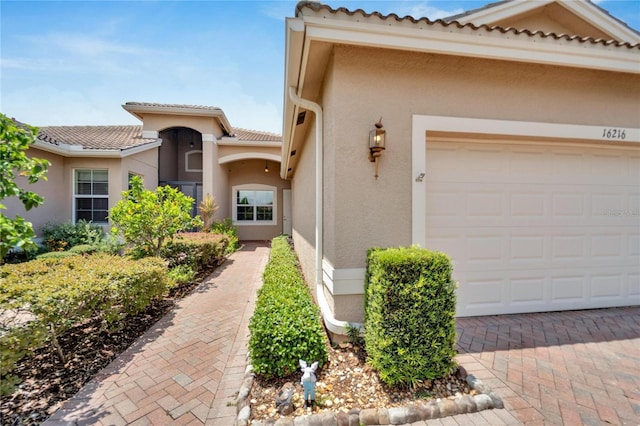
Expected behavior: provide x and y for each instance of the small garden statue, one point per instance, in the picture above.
(308, 382)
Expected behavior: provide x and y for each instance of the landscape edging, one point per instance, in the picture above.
(485, 399)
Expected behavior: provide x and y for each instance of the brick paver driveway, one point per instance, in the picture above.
(579, 367)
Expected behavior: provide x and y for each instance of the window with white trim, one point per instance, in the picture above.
(254, 205)
(91, 195)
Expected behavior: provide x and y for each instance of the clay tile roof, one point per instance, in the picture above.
(173, 106)
(256, 136)
(453, 24)
(95, 137)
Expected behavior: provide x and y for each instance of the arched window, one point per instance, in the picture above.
(193, 161)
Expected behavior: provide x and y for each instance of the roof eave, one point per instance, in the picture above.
(66, 150)
(236, 142)
(507, 45)
(138, 111)
(590, 12)
(295, 36)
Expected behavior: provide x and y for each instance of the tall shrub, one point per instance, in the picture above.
(410, 315)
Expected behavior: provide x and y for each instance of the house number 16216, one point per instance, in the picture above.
(609, 133)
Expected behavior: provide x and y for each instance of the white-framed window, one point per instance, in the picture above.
(91, 195)
(193, 161)
(255, 204)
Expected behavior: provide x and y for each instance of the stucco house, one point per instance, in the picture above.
(193, 148)
(511, 142)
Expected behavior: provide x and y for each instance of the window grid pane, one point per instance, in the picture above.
(256, 206)
(87, 183)
(265, 213)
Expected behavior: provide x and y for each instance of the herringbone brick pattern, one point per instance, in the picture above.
(571, 368)
(188, 366)
(579, 367)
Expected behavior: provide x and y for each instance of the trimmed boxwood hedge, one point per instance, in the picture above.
(410, 304)
(286, 325)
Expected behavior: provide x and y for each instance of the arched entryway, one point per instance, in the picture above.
(180, 162)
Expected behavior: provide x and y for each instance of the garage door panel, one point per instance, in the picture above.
(634, 286)
(534, 228)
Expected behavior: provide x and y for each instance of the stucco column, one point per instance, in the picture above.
(209, 163)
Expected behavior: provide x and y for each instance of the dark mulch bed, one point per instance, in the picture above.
(46, 383)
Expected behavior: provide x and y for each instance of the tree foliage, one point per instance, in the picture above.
(147, 219)
(15, 139)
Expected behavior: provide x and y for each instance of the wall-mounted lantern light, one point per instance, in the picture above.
(266, 167)
(376, 143)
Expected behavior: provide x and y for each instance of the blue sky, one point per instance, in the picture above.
(76, 62)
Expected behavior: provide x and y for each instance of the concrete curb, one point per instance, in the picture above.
(485, 399)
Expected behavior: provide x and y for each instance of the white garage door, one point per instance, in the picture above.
(536, 228)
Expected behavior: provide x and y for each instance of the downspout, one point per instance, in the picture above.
(332, 324)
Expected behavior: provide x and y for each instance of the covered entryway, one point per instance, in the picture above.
(534, 225)
(180, 162)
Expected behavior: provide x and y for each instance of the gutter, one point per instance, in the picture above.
(67, 150)
(333, 325)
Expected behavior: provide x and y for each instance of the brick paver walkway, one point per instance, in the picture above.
(187, 367)
(572, 368)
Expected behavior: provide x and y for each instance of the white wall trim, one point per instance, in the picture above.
(423, 124)
(226, 141)
(187, 163)
(208, 137)
(150, 134)
(341, 282)
(249, 155)
(66, 150)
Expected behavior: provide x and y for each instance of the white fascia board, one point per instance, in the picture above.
(601, 20)
(78, 151)
(140, 148)
(236, 142)
(586, 11)
(295, 34)
(479, 44)
(502, 11)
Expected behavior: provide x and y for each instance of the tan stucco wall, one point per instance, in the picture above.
(204, 125)
(58, 189)
(252, 172)
(56, 193)
(143, 164)
(370, 212)
(303, 205)
(362, 212)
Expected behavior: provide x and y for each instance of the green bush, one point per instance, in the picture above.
(410, 304)
(56, 255)
(226, 227)
(199, 250)
(84, 249)
(63, 236)
(285, 326)
(48, 296)
(148, 219)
